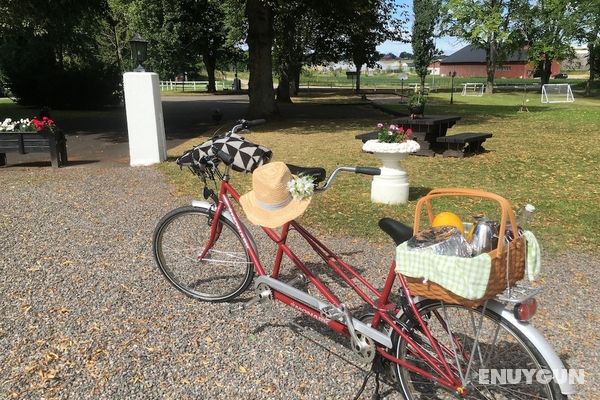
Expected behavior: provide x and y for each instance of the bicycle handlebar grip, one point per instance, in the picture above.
(368, 171)
(255, 122)
(226, 158)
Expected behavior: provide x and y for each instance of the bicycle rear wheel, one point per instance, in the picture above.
(179, 239)
(499, 362)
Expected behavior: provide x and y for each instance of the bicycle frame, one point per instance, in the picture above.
(377, 300)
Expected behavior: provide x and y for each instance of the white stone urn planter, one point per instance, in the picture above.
(391, 187)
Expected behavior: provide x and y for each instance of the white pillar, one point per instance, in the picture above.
(145, 125)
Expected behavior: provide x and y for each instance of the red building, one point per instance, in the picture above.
(470, 62)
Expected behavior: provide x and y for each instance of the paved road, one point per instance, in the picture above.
(101, 137)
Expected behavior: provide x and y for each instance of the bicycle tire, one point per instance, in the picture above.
(512, 351)
(223, 274)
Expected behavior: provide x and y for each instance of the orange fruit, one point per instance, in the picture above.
(447, 218)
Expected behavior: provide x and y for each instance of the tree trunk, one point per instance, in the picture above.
(545, 70)
(260, 40)
(357, 87)
(358, 64)
(283, 88)
(210, 62)
(297, 70)
(119, 56)
(592, 59)
(491, 59)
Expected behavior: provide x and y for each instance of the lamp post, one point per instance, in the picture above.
(452, 75)
(139, 51)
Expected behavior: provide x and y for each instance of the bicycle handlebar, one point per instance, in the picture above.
(254, 122)
(368, 171)
(244, 124)
(226, 158)
(357, 170)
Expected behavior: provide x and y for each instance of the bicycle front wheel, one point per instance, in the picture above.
(179, 240)
(494, 359)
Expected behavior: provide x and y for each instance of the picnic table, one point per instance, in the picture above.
(426, 130)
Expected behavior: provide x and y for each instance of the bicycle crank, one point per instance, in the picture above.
(363, 347)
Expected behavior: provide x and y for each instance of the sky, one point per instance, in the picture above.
(448, 44)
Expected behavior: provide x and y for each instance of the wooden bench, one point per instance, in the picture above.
(463, 143)
(23, 143)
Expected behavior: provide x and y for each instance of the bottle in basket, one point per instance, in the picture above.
(524, 216)
(485, 236)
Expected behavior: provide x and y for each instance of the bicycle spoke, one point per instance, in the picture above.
(223, 273)
(472, 339)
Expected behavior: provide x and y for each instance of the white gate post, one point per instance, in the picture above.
(145, 126)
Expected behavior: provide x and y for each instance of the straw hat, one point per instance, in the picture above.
(270, 203)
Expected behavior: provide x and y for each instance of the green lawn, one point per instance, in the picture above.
(547, 156)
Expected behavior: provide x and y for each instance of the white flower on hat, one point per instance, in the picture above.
(301, 187)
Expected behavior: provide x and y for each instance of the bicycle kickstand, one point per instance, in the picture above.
(376, 368)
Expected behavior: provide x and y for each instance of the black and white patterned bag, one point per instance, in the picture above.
(246, 155)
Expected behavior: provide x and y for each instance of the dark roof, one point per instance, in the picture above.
(472, 54)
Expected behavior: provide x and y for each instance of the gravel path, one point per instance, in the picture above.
(86, 315)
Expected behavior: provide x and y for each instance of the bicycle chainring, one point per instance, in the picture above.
(364, 349)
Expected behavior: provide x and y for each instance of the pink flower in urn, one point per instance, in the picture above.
(380, 125)
(409, 133)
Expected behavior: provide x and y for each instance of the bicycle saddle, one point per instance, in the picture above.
(399, 232)
(317, 173)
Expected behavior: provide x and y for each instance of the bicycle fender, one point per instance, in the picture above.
(540, 343)
(227, 215)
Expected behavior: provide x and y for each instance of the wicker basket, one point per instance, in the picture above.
(508, 261)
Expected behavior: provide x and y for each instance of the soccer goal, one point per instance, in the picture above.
(472, 89)
(557, 93)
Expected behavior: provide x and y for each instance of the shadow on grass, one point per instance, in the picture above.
(415, 193)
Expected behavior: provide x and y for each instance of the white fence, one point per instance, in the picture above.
(193, 85)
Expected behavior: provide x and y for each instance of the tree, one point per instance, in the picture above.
(551, 26)
(260, 40)
(289, 47)
(589, 32)
(160, 22)
(370, 23)
(426, 18)
(204, 34)
(52, 57)
(114, 34)
(492, 25)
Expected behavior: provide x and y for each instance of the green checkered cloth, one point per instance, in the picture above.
(466, 277)
(534, 255)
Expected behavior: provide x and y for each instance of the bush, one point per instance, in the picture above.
(74, 88)
(38, 79)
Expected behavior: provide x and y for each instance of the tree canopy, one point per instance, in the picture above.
(74, 58)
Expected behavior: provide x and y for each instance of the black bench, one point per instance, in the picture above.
(463, 143)
(23, 143)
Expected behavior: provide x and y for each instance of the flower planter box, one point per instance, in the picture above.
(23, 143)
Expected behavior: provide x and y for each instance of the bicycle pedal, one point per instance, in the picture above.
(299, 280)
(262, 294)
(331, 312)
